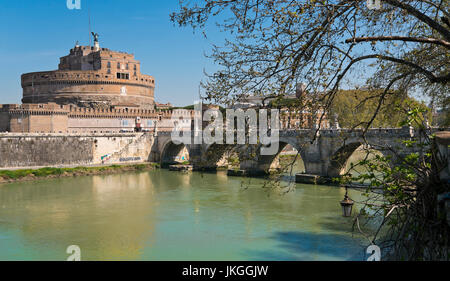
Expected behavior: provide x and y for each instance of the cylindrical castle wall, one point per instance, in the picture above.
(73, 87)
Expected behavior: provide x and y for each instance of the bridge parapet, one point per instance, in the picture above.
(326, 156)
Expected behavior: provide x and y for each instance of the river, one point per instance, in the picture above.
(163, 215)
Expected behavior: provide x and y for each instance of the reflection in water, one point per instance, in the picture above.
(162, 215)
(101, 214)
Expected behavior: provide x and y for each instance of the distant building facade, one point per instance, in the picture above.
(300, 116)
(164, 106)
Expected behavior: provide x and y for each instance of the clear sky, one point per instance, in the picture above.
(34, 34)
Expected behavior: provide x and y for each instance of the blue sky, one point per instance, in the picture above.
(34, 34)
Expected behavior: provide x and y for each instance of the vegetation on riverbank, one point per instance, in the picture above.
(355, 107)
(48, 172)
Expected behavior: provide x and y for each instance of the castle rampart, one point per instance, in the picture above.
(92, 78)
(55, 118)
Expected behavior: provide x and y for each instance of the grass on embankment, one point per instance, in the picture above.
(31, 174)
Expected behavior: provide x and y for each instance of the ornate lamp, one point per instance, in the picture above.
(347, 205)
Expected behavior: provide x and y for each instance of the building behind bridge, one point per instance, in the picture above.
(296, 110)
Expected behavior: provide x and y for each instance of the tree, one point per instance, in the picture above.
(273, 45)
(405, 196)
(402, 49)
(353, 107)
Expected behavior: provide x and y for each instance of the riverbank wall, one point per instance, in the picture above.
(65, 150)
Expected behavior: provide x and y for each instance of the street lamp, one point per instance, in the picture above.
(347, 205)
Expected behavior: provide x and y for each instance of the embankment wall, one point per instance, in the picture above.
(38, 150)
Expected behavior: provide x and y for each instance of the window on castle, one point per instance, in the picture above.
(135, 68)
(135, 73)
(123, 75)
(127, 66)
(109, 64)
(109, 71)
(118, 65)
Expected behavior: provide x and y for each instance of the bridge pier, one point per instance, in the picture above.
(312, 179)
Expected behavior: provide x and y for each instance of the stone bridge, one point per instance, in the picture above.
(326, 156)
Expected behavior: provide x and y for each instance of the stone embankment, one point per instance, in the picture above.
(55, 150)
(8, 176)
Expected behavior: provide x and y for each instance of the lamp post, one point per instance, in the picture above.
(347, 205)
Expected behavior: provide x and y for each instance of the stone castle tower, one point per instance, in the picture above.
(92, 77)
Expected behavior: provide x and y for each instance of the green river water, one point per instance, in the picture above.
(163, 215)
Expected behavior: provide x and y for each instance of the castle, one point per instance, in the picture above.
(99, 91)
(94, 90)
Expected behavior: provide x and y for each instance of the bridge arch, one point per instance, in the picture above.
(173, 153)
(340, 159)
(219, 155)
(270, 162)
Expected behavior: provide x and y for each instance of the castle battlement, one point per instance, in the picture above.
(94, 90)
(91, 77)
(79, 77)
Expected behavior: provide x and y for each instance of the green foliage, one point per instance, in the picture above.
(44, 172)
(443, 116)
(47, 172)
(286, 103)
(140, 167)
(233, 161)
(356, 107)
(403, 191)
